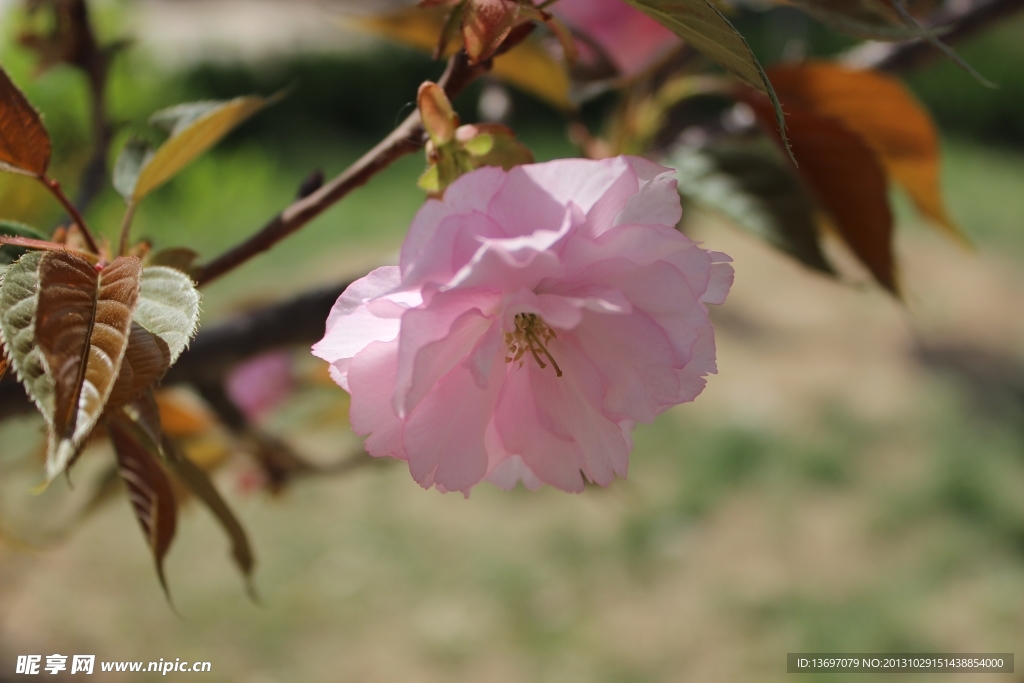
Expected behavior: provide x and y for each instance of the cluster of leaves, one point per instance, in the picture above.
(90, 334)
(853, 133)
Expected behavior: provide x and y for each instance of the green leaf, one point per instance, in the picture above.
(9, 253)
(19, 299)
(149, 490)
(82, 323)
(706, 29)
(199, 483)
(756, 188)
(194, 128)
(135, 155)
(480, 145)
(168, 307)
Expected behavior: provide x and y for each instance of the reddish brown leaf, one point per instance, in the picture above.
(24, 142)
(3, 361)
(145, 362)
(847, 179)
(486, 24)
(198, 482)
(881, 110)
(149, 490)
(82, 327)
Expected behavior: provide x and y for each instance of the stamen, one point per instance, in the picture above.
(532, 335)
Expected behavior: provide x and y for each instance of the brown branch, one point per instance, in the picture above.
(967, 20)
(94, 61)
(407, 138)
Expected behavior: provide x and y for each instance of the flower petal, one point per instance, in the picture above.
(436, 338)
(444, 436)
(371, 376)
(351, 325)
(470, 192)
(634, 356)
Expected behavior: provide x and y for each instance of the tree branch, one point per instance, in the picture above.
(407, 138)
(967, 19)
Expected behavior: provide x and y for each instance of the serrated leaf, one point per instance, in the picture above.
(168, 307)
(82, 327)
(756, 188)
(19, 299)
(486, 24)
(146, 361)
(24, 142)
(883, 112)
(130, 162)
(706, 29)
(10, 253)
(194, 131)
(149, 490)
(845, 176)
(199, 483)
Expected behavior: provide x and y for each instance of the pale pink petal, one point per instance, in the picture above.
(702, 363)
(555, 461)
(656, 202)
(457, 238)
(371, 377)
(515, 263)
(471, 192)
(351, 326)
(510, 472)
(722, 276)
(261, 384)
(436, 338)
(634, 356)
(570, 407)
(444, 435)
(490, 349)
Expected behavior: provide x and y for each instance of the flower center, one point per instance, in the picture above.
(531, 336)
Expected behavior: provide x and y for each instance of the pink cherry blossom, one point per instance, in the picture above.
(535, 317)
(259, 385)
(630, 38)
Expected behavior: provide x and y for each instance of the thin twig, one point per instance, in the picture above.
(967, 20)
(126, 229)
(406, 138)
(55, 189)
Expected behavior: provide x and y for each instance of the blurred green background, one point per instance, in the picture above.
(850, 481)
